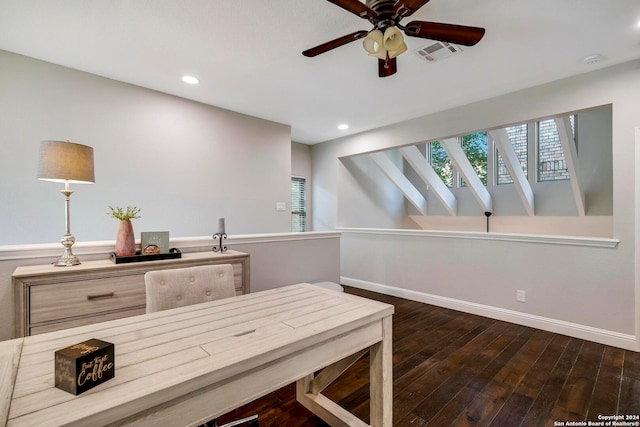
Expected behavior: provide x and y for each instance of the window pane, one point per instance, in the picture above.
(518, 138)
(572, 120)
(298, 204)
(441, 164)
(474, 147)
(298, 222)
(551, 163)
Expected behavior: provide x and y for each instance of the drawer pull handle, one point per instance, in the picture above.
(109, 295)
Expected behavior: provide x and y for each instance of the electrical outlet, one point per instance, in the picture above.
(281, 206)
(521, 295)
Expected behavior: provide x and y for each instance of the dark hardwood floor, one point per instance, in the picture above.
(457, 369)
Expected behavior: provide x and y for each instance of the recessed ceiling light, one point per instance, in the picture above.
(343, 126)
(592, 59)
(191, 80)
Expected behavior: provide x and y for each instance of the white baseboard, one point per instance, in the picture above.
(602, 336)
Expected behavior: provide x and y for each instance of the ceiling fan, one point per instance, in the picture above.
(385, 40)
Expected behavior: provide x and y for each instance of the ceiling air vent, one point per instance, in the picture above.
(436, 51)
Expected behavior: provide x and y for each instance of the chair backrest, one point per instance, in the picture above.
(179, 287)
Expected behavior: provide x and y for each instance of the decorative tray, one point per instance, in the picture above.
(138, 257)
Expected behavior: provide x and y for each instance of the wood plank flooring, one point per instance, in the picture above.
(458, 369)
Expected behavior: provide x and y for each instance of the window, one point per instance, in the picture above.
(518, 138)
(474, 147)
(551, 162)
(440, 163)
(298, 204)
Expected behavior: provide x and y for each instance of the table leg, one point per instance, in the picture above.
(381, 377)
(309, 388)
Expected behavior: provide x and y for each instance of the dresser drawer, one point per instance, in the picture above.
(86, 297)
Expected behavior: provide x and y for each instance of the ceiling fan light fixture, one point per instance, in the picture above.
(373, 44)
(384, 45)
(393, 42)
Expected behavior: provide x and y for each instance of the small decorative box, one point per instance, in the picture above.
(83, 366)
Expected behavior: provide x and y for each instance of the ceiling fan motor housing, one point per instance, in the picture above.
(384, 10)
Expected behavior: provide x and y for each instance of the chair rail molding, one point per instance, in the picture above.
(186, 244)
(598, 242)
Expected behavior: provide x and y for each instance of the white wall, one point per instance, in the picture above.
(285, 259)
(301, 160)
(570, 287)
(183, 163)
(593, 289)
(363, 187)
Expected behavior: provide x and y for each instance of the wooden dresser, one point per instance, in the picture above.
(49, 298)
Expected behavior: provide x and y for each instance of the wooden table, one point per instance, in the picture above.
(191, 364)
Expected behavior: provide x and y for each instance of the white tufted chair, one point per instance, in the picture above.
(179, 287)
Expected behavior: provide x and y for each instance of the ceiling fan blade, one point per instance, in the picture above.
(355, 7)
(387, 67)
(325, 47)
(458, 34)
(407, 7)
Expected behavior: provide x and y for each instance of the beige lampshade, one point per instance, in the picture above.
(62, 161)
(394, 42)
(373, 44)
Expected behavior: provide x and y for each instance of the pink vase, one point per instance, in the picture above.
(125, 240)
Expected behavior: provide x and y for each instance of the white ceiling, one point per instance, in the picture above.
(247, 53)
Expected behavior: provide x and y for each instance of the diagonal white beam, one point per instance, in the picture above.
(571, 158)
(422, 167)
(396, 176)
(505, 148)
(463, 166)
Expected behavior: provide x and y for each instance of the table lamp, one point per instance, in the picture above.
(66, 162)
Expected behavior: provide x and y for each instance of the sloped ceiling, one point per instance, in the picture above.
(247, 53)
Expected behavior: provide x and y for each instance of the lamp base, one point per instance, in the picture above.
(67, 259)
